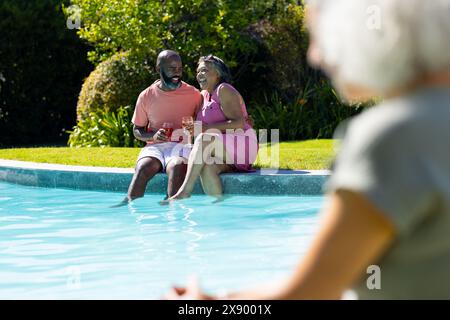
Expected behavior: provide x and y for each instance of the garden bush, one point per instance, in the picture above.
(284, 41)
(296, 99)
(115, 82)
(313, 114)
(103, 128)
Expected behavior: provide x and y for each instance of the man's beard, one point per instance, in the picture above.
(167, 81)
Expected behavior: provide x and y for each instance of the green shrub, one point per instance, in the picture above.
(296, 99)
(314, 114)
(285, 43)
(115, 82)
(105, 129)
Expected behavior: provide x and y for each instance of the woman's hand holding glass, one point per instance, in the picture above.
(188, 125)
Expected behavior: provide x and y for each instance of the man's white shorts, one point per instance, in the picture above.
(165, 152)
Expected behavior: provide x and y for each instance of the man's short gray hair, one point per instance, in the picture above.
(383, 44)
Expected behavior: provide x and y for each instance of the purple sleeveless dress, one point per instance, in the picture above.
(240, 145)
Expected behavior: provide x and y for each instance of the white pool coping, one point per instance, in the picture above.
(263, 181)
(61, 167)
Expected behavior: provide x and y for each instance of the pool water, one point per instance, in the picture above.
(66, 244)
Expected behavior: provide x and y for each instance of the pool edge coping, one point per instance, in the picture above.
(262, 181)
(61, 167)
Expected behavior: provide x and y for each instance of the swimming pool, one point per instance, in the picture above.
(65, 244)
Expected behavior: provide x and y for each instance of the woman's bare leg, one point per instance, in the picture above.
(197, 162)
(210, 177)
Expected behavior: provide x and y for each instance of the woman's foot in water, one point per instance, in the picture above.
(178, 196)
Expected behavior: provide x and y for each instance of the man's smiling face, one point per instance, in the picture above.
(171, 71)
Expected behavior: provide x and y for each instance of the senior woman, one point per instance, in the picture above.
(388, 205)
(228, 142)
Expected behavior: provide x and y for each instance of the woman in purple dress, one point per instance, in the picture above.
(228, 142)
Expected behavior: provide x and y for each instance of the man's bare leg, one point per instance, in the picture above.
(176, 172)
(146, 168)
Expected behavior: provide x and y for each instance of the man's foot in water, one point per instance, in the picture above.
(124, 202)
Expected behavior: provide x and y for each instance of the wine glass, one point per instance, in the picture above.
(188, 124)
(168, 129)
(188, 127)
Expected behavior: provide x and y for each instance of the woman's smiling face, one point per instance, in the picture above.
(207, 76)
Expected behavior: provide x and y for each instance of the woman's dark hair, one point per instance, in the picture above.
(220, 66)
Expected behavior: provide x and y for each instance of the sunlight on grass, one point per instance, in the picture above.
(98, 157)
(310, 155)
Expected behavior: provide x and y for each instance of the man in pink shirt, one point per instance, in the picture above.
(167, 100)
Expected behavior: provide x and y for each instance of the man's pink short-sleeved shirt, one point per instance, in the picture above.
(155, 106)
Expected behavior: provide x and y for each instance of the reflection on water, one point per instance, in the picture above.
(63, 244)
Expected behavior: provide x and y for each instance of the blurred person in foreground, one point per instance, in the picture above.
(388, 199)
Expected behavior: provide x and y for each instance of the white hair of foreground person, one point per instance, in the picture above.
(383, 45)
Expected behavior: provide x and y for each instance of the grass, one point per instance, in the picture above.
(309, 155)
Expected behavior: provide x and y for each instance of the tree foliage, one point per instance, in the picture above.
(191, 27)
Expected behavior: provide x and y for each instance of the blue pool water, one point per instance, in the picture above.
(65, 244)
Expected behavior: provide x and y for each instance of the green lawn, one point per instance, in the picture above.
(310, 155)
